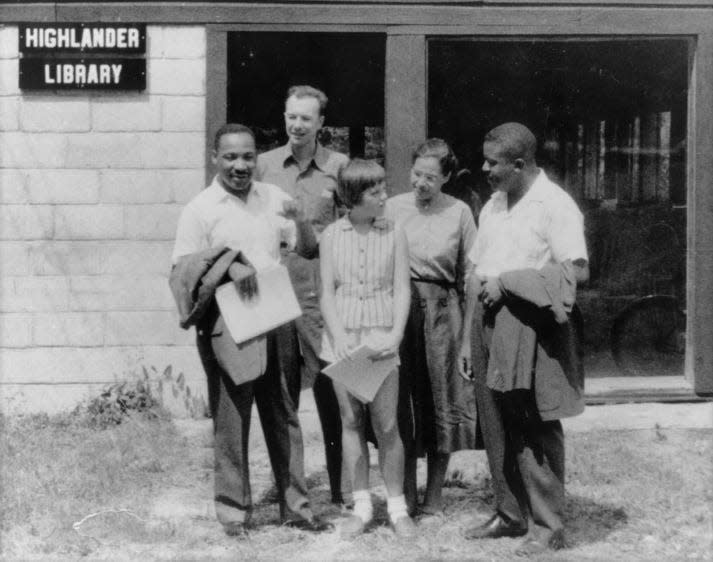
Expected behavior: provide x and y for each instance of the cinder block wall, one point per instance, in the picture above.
(91, 185)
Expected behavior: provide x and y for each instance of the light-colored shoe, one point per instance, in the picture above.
(351, 528)
(404, 527)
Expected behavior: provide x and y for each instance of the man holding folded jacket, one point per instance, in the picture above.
(228, 231)
(529, 254)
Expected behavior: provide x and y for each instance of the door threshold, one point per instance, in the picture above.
(612, 390)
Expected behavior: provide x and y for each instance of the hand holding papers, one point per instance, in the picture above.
(274, 304)
(363, 372)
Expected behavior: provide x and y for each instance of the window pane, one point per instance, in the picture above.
(610, 116)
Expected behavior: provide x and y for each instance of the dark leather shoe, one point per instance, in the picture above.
(494, 528)
(533, 544)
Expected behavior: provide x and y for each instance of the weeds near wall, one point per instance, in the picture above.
(149, 395)
(121, 400)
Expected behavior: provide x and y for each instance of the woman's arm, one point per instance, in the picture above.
(327, 300)
(402, 294)
(472, 293)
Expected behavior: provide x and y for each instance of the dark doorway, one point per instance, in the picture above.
(348, 67)
(611, 119)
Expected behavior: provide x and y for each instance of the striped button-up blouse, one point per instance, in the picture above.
(363, 273)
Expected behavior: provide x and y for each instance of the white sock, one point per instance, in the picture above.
(396, 506)
(362, 505)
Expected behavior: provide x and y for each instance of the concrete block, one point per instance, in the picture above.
(63, 186)
(58, 329)
(187, 184)
(56, 379)
(99, 365)
(53, 114)
(173, 150)
(34, 294)
(178, 77)
(89, 222)
(135, 113)
(13, 187)
(120, 292)
(84, 257)
(15, 330)
(10, 76)
(9, 37)
(155, 327)
(183, 113)
(15, 258)
(138, 258)
(104, 150)
(179, 42)
(66, 258)
(32, 150)
(26, 222)
(9, 113)
(152, 222)
(136, 186)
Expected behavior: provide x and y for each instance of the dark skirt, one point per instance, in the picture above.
(443, 402)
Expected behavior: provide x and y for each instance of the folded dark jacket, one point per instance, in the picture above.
(531, 342)
(193, 281)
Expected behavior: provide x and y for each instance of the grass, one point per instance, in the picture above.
(142, 490)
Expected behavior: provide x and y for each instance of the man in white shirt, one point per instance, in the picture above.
(256, 219)
(530, 233)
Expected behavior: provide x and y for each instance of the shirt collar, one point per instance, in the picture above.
(535, 193)
(219, 193)
(380, 223)
(320, 158)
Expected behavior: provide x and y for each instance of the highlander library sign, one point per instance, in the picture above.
(83, 56)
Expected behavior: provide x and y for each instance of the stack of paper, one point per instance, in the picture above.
(274, 304)
(360, 374)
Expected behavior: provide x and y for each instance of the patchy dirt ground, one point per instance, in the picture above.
(633, 494)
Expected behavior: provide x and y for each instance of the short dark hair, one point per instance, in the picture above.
(355, 178)
(231, 129)
(515, 141)
(441, 151)
(309, 92)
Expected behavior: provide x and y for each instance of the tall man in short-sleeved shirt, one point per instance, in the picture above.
(308, 171)
(249, 217)
(528, 255)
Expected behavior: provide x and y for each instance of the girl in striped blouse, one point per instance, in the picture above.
(365, 299)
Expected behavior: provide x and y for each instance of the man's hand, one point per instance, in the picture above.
(292, 210)
(465, 363)
(244, 277)
(490, 293)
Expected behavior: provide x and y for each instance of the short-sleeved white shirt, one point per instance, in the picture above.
(216, 218)
(545, 226)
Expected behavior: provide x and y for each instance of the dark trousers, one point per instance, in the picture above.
(526, 457)
(302, 344)
(231, 407)
(329, 418)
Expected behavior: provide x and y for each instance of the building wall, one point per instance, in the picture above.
(91, 185)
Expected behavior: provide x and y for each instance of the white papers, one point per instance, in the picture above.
(361, 375)
(274, 304)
